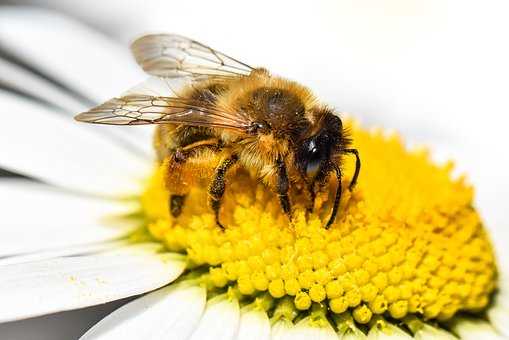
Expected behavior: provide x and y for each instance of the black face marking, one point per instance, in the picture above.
(314, 153)
(314, 158)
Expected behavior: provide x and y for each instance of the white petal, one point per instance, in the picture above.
(72, 81)
(43, 287)
(282, 330)
(219, 321)
(60, 151)
(307, 329)
(350, 335)
(171, 312)
(387, 331)
(503, 282)
(101, 70)
(498, 315)
(83, 249)
(471, 329)
(428, 332)
(79, 81)
(37, 217)
(78, 57)
(22, 80)
(347, 329)
(254, 325)
(26, 83)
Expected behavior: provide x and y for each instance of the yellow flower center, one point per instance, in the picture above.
(406, 241)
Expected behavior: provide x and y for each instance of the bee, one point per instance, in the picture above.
(228, 116)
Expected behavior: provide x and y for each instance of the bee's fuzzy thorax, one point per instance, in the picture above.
(240, 93)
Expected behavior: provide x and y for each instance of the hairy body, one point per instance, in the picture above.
(231, 116)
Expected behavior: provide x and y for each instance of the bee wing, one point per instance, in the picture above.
(172, 56)
(145, 109)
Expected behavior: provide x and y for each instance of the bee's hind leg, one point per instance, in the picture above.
(177, 172)
(178, 190)
(176, 202)
(218, 186)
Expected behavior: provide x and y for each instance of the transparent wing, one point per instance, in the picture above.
(145, 109)
(169, 55)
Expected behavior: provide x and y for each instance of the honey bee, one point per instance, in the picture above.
(229, 116)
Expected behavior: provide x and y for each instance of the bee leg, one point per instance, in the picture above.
(357, 167)
(175, 204)
(176, 199)
(180, 156)
(312, 197)
(282, 188)
(337, 199)
(218, 185)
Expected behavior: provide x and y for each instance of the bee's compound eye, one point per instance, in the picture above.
(312, 149)
(313, 159)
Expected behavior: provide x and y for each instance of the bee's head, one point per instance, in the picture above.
(316, 150)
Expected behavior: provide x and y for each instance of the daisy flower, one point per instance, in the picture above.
(409, 257)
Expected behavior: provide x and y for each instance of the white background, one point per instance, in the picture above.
(436, 71)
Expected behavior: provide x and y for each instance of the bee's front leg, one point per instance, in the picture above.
(337, 197)
(282, 186)
(312, 196)
(218, 186)
(357, 167)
